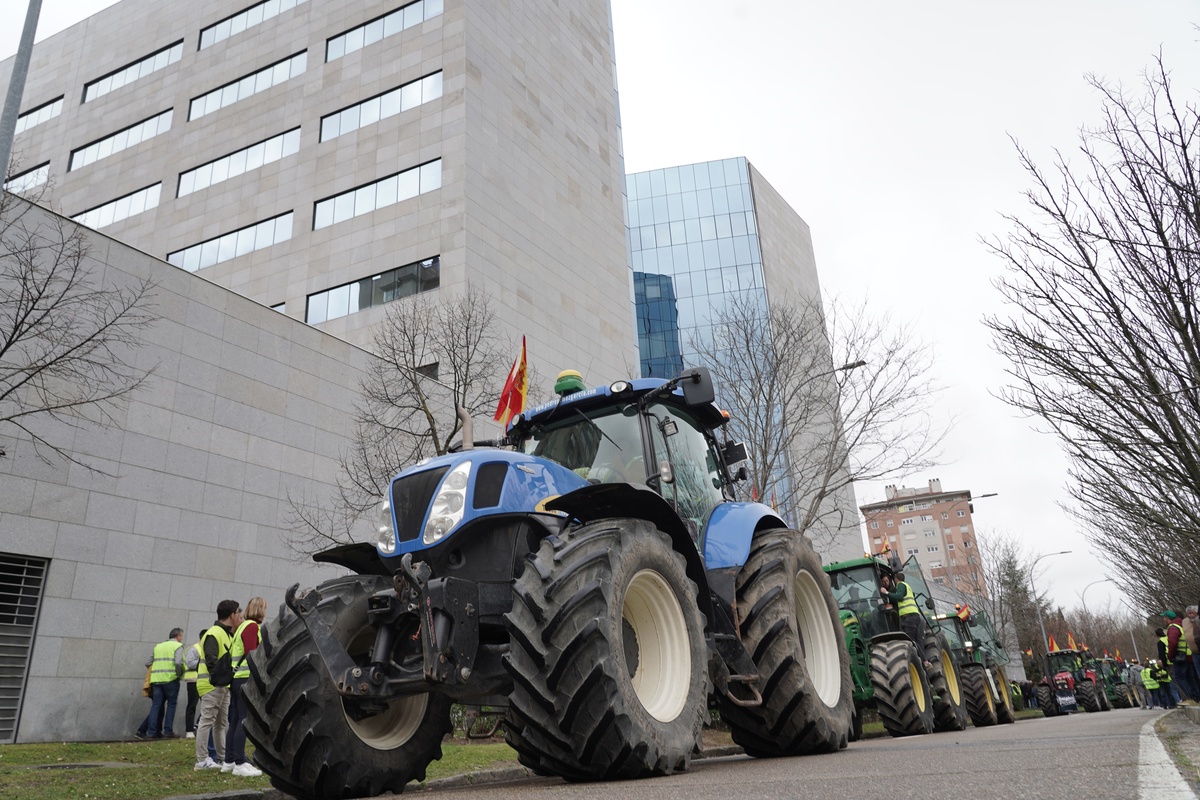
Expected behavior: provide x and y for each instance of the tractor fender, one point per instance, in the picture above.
(360, 557)
(730, 531)
(624, 500)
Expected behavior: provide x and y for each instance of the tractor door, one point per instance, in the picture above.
(695, 486)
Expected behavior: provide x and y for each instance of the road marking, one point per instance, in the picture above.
(1158, 777)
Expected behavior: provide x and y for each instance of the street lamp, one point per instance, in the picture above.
(1083, 602)
(1038, 606)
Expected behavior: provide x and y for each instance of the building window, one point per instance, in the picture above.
(381, 27)
(930, 534)
(121, 140)
(914, 551)
(231, 245)
(428, 370)
(926, 518)
(964, 528)
(30, 178)
(935, 565)
(36, 116)
(121, 208)
(949, 545)
(933, 548)
(961, 512)
(243, 20)
(251, 84)
(910, 535)
(877, 540)
(131, 72)
(22, 580)
(874, 526)
(234, 164)
(405, 281)
(891, 523)
(379, 194)
(388, 104)
(945, 515)
(922, 505)
(967, 544)
(280, 307)
(907, 521)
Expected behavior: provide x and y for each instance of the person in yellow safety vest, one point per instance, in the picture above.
(191, 663)
(912, 621)
(1151, 684)
(214, 673)
(166, 665)
(246, 638)
(1179, 659)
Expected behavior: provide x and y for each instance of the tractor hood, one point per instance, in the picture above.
(430, 501)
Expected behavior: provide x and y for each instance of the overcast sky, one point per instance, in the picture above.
(887, 127)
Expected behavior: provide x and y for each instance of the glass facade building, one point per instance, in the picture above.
(693, 243)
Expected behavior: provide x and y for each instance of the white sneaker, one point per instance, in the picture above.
(190, 735)
(247, 770)
(207, 763)
(228, 766)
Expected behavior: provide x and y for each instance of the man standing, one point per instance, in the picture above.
(912, 622)
(1179, 658)
(213, 676)
(1134, 678)
(166, 665)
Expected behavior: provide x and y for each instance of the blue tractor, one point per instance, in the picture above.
(595, 578)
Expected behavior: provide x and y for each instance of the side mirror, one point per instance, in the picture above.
(697, 386)
(742, 474)
(735, 452)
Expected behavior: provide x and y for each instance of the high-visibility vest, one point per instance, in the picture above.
(908, 603)
(237, 650)
(1181, 649)
(1148, 678)
(189, 675)
(162, 669)
(203, 684)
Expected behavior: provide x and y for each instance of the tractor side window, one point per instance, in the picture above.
(697, 489)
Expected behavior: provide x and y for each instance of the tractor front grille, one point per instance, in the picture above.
(411, 496)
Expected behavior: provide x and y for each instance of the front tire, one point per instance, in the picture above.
(608, 657)
(901, 689)
(1085, 692)
(1046, 701)
(981, 702)
(303, 737)
(791, 626)
(949, 712)
(1005, 712)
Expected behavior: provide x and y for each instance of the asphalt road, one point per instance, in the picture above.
(1109, 755)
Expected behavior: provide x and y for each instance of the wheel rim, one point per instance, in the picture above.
(818, 640)
(662, 664)
(393, 727)
(951, 677)
(918, 688)
(1002, 679)
(987, 692)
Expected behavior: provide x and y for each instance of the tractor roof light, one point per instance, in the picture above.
(448, 505)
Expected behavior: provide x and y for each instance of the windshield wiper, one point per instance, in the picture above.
(597, 427)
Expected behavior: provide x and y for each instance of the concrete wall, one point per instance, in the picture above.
(245, 407)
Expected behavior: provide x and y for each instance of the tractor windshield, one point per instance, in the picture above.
(602, 446)
(857, 590)
(1064, 661)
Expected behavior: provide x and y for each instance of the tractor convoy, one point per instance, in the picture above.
(595, 578)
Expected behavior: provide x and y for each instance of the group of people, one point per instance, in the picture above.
(1173, 678)
(214, 670)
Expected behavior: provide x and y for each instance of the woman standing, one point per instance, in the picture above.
(246, 638)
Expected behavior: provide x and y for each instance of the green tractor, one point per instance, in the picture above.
(1111, 673)
(915, 690)
(981, 660)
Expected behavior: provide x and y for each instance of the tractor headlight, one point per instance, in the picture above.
(447, 508)
(385, 538)
(968, 644)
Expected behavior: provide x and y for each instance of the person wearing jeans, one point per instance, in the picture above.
(166, 665)
(245, 639)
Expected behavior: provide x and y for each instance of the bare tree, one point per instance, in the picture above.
(1104, 340)
(429, 356)
(813, 417)
(67, 336)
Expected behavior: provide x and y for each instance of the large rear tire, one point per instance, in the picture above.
(1005, 712)
(981, 701)
(791, 627)
(1124, 697)
(901, 689)
(1085, 693)
(304, 739)
(1046, 701)
(949, 712)
(608, 658)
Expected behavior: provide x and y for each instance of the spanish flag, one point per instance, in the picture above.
(964, 611)
(1071, 642)
(1053, 645)
(1119, 655)
(1029, 652)
(512, 398)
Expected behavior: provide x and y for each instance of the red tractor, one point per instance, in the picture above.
(1070, 683)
